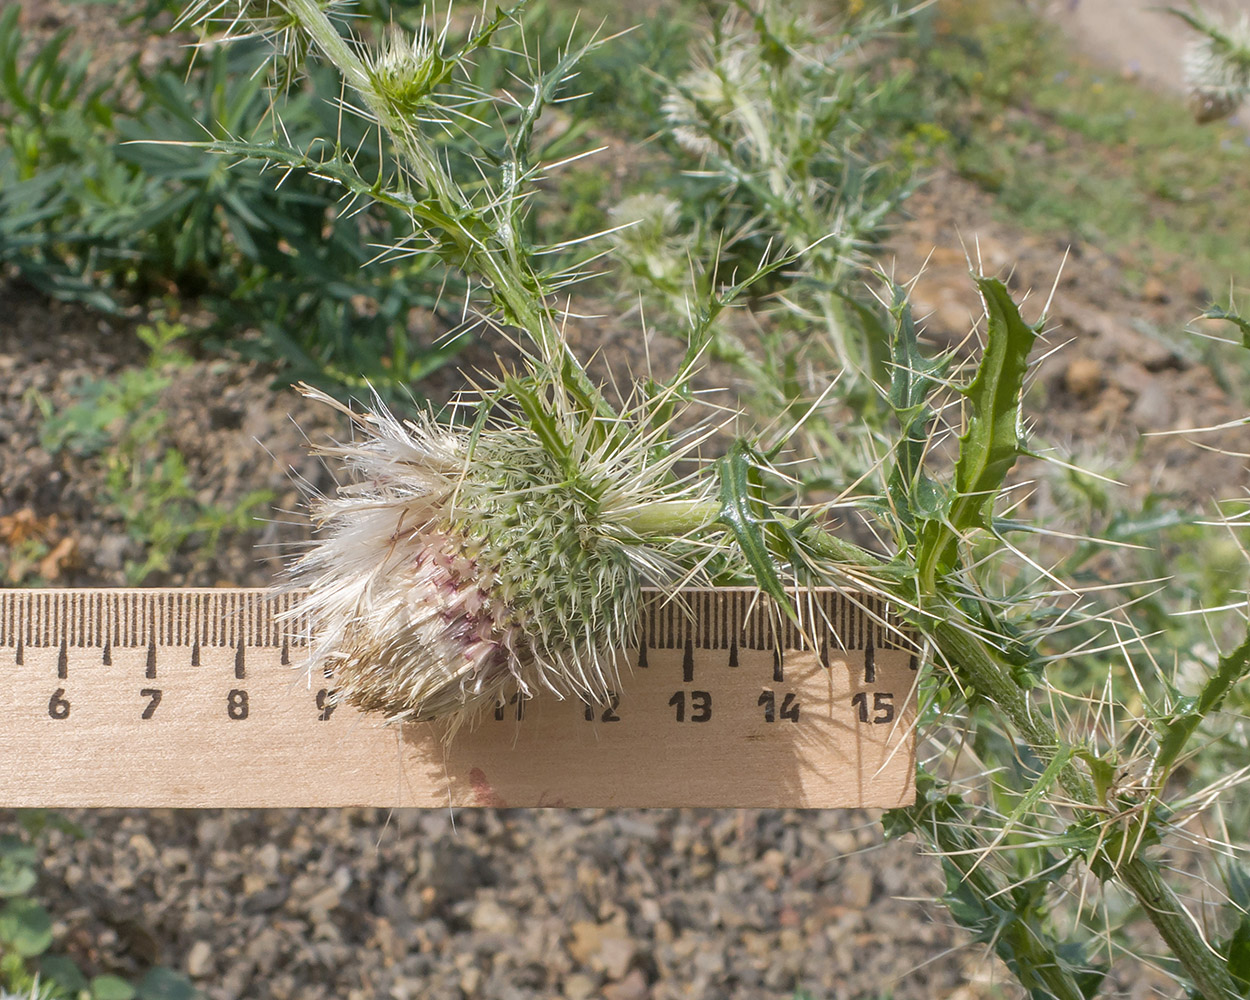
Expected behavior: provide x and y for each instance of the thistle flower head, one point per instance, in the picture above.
(1217, 68)
(650, 241)
(458, 567)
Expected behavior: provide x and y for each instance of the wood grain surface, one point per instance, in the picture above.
(197, 698)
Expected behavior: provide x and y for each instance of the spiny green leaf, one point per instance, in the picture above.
(537, 413)
(1040, 787)
(913, 378)
(993, 440)
(1242, 324)
(737, 514)
(1176, 730)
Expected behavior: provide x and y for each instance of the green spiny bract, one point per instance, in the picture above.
(458, 568)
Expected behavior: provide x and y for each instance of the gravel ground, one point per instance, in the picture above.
(501, 904)
(508, 904)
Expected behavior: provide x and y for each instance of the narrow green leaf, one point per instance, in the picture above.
(993, 440)
(1176, 730)
(913, 379)
(736, 514)
(1042, 785)
(540, 419)
(1242, 324)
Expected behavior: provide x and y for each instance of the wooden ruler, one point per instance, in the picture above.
(196, 698)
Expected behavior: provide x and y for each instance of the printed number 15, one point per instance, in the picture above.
(882, 707)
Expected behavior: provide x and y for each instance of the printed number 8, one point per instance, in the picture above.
(236, 704)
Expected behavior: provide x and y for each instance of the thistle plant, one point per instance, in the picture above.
(1217, 64)
(501, 548)
(776, 120)
(465, 565)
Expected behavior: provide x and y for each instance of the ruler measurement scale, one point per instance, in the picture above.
(192, 698)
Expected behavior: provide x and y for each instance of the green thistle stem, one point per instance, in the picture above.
(677, 517)
(1205, 967)
(492, 250)
(991, 678)
(1161, 905)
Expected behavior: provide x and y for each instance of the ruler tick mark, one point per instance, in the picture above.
(687, 662)
(62, 662)
(733, 651)
(239, 672)
(870, 662)
(642, 653)
(285, 658)
(106, 654)
(195, 654)
(149, 667)
(778, 674)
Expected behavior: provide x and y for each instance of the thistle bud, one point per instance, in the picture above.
(405, 71)
(711, 96)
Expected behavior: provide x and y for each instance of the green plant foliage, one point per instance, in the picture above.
(103, 201)
(1074, 733)
(25, 927)
(159, 983)
(1060, 784)
(119, 422)
(17, 866)
(1009, 104)
(111, 988)
(28, 966)
(784, 127)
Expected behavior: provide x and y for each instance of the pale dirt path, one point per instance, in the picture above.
(1136, 36)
